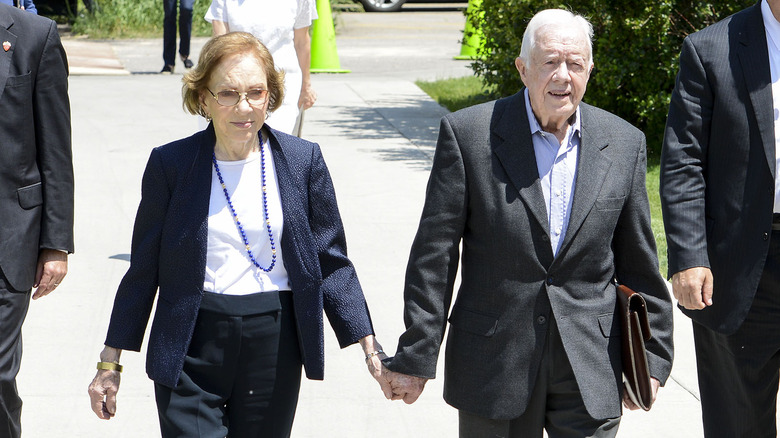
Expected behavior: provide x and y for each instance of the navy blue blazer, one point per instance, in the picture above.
(169, 253)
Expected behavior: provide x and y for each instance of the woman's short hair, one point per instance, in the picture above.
(556, 17)
(213, 53)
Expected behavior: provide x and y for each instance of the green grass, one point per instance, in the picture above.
(458, 93)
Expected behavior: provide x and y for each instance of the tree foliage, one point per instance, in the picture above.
(635, 49)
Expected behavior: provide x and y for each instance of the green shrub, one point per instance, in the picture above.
(133, 19)
(635, 49)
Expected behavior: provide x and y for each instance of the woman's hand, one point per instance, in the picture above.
(105, 385)
(374, 355)
(308, 96)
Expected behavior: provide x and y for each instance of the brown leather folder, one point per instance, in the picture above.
(635, 332)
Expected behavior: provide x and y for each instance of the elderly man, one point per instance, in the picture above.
(547, 197)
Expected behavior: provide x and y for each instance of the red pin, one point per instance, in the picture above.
(6, 45)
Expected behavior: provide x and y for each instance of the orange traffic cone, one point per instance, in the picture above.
(324, 57)
(472, 36)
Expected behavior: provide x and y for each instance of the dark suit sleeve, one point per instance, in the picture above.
(343, 298)
(683, 164)
(136, 292)
(636, 265)
(433, 262)
(51, 112)
(29, 6)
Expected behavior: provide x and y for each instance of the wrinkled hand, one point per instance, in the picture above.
(629, 404)
(379, 372)
(102, 393)
(693, 288)
(52, 268)
(405, 387)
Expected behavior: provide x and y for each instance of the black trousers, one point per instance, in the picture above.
(555, 405)
(242, 373)
(738, 373)
(13, 310)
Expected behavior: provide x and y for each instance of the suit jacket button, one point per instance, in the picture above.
(541, 319)
(549, 280)
(766, 236)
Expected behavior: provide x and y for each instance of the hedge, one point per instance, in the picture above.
(636, 45)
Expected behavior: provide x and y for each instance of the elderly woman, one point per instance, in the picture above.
(238, 228)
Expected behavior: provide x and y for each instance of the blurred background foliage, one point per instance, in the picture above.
(636, 44)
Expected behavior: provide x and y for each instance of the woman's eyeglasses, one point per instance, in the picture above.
(232, 97)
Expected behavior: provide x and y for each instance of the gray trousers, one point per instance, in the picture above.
(555, 405)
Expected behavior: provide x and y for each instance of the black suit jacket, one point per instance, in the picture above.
(484, 193)
(36, 169)
(718, 164)
(169, 252)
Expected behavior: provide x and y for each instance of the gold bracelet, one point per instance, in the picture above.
(374, 353)
(112, 366)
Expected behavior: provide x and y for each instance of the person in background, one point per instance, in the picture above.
(169, 33)
(36, 184)
(283, 26)
(543, 198)
(720, 194)
(26, 5)
(239, 230)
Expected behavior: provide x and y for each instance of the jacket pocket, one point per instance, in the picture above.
(610, 204)
(30, 196)
(473, 322)
(606, 326)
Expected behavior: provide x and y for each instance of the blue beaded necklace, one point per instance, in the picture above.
(265, 211)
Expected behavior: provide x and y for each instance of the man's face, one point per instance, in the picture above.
(557, 74)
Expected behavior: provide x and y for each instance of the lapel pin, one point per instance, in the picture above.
(6, 45)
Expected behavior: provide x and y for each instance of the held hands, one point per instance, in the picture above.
(654, 383)
(395, 386)
(693, 288)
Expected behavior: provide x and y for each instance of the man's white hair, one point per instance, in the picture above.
(556, 17)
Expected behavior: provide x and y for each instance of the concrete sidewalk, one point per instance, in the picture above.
(377, 131)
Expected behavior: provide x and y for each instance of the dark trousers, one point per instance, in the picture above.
(242, 372)
(738, 373)
(169, 29)
(555, 405)
(13, 310)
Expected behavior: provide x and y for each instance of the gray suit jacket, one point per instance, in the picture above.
(36, 171)
(718, 164)
(484, 193)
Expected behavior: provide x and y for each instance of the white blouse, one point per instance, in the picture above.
(272, 22)
(228, 267)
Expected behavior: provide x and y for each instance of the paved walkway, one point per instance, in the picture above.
(377, 131)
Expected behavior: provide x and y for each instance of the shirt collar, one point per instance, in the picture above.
(574, 120)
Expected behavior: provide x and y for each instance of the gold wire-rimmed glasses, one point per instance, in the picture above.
(255, 97)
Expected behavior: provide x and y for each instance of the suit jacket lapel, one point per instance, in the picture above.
(754, 59)
(515, 151)
(5, 56)
(295, 239)
(592, 169)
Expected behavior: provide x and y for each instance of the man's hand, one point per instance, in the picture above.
(693, 288)
(405, 387)
(52, 268)
(629, 404)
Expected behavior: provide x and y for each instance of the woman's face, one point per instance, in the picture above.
(237, 124)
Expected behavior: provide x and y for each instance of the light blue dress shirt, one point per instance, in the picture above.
(557, 166)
